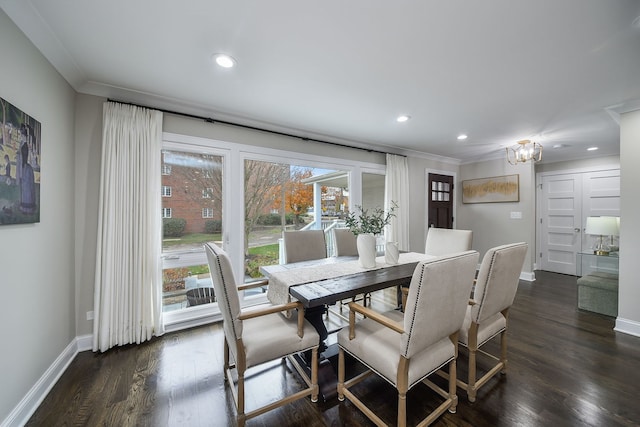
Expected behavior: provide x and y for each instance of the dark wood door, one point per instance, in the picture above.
(440, 201)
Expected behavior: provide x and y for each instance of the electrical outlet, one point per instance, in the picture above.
(89, 315)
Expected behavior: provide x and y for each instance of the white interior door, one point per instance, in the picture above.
(566, 201)
(561, 222)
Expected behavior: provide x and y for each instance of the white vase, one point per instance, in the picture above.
(366, 244)
(391, 253)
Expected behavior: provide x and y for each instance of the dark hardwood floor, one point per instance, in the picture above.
(566, 368)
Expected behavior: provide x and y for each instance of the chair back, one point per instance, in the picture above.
(304, 245)
(345, 242)
(497, 280)
(444, 241)
(226, 291)
(437, 300)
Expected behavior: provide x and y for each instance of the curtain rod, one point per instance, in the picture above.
(210, 120)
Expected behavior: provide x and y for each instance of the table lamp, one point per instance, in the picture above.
(601, 226)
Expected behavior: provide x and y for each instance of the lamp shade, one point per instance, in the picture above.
(602, 225)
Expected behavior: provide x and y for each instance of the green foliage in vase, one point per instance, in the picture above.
(370, 222)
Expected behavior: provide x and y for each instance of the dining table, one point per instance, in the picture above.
(321, 282)
(325, 281)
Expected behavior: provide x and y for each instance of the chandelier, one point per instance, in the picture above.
(524, 151)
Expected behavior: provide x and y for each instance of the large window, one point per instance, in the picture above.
(213, 184)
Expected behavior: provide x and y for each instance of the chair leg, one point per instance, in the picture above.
(503, 351)
(314, 375)
(403, 387)
(452, 386)
(241, 417)
(402, 409)
(340, 374)
(473, 349)
(471, 383)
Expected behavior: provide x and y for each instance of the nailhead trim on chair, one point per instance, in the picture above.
(224, 288)
(413, 318)
(484, 290)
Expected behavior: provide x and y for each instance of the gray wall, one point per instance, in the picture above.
(37, 320)
(88, 152)
(491, 222)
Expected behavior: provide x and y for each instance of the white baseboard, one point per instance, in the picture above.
(30, 402)
(627, 326)
(84, 342)
(528, 276)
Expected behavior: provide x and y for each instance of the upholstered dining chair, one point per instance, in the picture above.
(406, 349)
(344, 242)
(488, 312)
(255, 336)
(304, 245)
(444, 241)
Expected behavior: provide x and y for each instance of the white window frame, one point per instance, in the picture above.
(166, 169)
(207, 212)
(166, 191)
(166, 211)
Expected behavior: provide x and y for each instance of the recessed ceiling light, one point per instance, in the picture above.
(223, 60)
(462, 137)
(403, 118)
(592, 148)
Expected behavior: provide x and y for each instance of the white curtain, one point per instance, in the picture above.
(397, 191)
(128, 289)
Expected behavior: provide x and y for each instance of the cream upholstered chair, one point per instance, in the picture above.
(487, 314)
(444, 241)
(345, 242)
(304, 245)
(405, 350)
(256, 336)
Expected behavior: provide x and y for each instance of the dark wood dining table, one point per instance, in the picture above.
(317, 294)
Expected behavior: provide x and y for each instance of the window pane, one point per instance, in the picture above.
(281, 196)
(265, 191)
(194, 217)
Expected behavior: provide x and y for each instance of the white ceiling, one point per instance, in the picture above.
(557, 72)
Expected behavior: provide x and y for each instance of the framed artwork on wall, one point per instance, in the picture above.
(495, 189)
(20, 148)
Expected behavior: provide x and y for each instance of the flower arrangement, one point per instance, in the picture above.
(367, 222)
